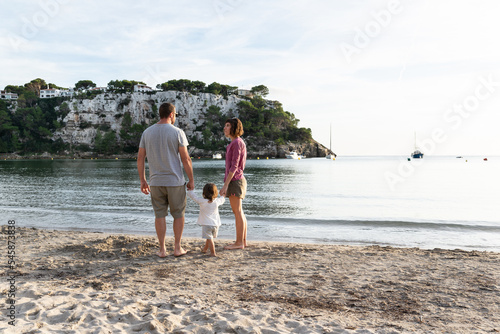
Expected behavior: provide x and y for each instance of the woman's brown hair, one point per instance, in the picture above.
(236, 127)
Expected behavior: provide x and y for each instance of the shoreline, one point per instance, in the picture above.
(76, 156)
(80, 281)
(283, 240)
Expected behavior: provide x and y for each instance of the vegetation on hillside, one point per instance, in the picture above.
(263, 121)
(27, 125)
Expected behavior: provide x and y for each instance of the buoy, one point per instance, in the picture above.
(267, 158)
(258, 158)
(485, 159)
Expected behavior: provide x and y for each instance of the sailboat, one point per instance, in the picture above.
(331, 155)
(417, 154)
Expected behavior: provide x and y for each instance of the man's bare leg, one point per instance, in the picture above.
(178, 229)
(161, 230)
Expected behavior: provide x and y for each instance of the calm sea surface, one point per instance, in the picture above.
(442, 202)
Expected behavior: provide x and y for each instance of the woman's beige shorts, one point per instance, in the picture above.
(237, 188)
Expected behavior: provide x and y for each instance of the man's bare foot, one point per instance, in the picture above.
(161, 253)
(180, 253)
(234, 246)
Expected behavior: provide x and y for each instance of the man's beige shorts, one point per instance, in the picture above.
(237, 188)
(163, 197)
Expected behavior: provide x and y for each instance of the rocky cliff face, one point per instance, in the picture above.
(85, 117)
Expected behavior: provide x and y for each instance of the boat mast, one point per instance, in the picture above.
(330, 138)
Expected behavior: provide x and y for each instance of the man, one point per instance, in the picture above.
(166, 149)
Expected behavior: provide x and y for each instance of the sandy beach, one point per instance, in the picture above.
(83, 282)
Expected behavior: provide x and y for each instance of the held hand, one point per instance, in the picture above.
(145, 187)
(223, 191)
(190, 185)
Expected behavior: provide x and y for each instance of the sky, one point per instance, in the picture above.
(375, 74)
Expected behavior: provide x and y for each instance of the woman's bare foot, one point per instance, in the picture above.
(234, 246)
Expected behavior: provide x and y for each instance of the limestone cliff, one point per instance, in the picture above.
(86, 116)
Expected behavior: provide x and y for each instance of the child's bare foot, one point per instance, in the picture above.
(203, 250)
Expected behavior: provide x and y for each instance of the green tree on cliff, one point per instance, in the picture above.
(131, 133)
(107, 144)
(85, 84)
(123, 86)
(36, 85)
(260, 90)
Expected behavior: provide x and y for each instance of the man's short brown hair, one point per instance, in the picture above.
(236, 127)
(166, 109)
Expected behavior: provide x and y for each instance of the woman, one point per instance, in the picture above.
(235, 184)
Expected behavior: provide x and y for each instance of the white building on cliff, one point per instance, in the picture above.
(142, 88)
(4, 95)
(245, 92)
(53, 92)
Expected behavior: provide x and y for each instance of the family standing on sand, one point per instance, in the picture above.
(165, 147)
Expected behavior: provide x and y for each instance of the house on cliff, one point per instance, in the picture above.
(53, 92)
(245, 92)
(4, 95)
(142, 88)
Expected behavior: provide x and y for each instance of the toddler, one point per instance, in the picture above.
(209, 217)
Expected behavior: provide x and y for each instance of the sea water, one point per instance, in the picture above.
(435, 202)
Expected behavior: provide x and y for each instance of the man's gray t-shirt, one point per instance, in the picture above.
(162, 142)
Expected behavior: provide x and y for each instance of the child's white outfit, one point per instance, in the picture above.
(209, 217)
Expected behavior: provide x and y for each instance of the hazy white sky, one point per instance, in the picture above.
(377, 71)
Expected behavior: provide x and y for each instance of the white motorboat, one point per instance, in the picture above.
(217, 156)
(331, 156)
(292, 155)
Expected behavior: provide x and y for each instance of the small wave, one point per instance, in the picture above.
(435, 225)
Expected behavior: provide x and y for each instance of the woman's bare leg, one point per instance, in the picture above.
(241, 223)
